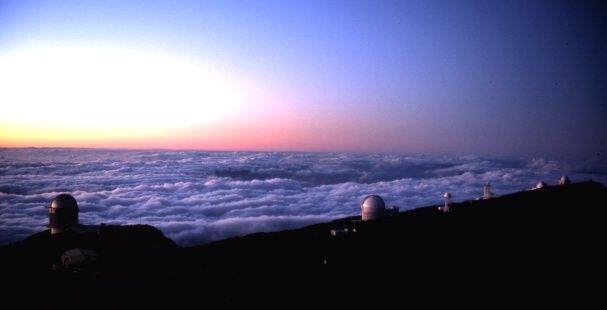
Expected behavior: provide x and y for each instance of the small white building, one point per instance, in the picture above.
(391, 211)
(564, 180)
(540, 184)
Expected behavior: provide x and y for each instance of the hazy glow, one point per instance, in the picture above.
(82, 93)
(490, 77)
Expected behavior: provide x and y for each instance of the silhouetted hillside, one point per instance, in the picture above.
(542, 246)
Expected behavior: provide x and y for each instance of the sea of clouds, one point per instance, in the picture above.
(196, 197)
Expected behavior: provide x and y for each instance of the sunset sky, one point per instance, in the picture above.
(462, 77)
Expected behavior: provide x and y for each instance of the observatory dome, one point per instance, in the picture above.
(63, 213)
(564, 180)
(373, 207)
(64, 201)
(540, 184)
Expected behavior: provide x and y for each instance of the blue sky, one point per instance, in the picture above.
(462, 77)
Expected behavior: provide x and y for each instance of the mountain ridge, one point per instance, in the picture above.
(521, 238)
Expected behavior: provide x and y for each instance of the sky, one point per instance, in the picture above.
(408, 77)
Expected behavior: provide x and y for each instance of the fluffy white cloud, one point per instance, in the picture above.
(197, 197)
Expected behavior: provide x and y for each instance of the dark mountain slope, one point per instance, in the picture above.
(527, 248)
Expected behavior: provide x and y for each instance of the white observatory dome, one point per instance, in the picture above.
(540, 184)
(373, 207)
(564, 180)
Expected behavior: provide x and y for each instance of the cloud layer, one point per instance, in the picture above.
(197, 197)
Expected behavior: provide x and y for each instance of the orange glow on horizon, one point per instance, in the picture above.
(125, 99)
(276, 134)
(116, 98)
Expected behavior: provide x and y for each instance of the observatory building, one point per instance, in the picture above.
(77, 258)
(564, 180)
(63, 213)
(487, 194)
(374, 207)
(447, 206)
(540, 184)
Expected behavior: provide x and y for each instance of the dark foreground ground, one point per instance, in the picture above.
(527, 249)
